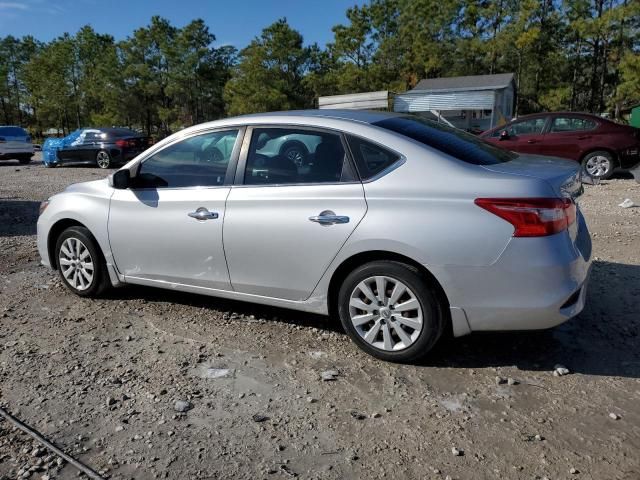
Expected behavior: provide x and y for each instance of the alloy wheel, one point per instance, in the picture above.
(598, 166)
(386, 313)
(103, 160)
(76, 263)
(295, 155)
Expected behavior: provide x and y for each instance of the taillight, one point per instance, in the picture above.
(125, 143)
(532, 217)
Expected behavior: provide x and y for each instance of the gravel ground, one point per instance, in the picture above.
(105, 379)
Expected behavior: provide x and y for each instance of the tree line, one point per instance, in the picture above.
(567, 54)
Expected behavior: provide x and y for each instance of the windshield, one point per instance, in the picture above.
(452, 141)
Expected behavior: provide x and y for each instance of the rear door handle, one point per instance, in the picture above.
(584, 137)
(532, 141)
(328, 217)
(202, 214)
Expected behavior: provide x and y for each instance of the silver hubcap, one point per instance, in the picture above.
(598, 166)
(76, 264)
(103, 159)
(386, 313)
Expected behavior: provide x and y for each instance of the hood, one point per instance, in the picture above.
(94, 187)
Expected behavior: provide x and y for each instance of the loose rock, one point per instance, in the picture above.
(182, 406)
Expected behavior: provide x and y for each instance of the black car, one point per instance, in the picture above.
(104, 147)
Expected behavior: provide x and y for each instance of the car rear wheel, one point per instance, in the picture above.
(103, 159)
(24, 160)
(390, 311)
(80, 263)
(599, 164)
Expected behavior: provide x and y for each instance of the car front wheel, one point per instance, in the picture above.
(599, 165)
(103, 159)
(390, 311)
(81, 265)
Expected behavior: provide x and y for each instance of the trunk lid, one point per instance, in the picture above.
(564, 176)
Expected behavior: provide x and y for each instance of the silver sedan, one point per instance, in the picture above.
(403, 228)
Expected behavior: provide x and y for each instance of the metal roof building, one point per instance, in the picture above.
(472, 102)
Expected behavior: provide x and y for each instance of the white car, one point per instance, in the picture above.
(15, 143)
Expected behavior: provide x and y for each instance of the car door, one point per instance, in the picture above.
(285, 221)
(569, 136)
(168, 226)
(70, 150)
(523, 136)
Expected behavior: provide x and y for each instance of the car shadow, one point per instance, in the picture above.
(294, 317)
(18, 217)
(603, 340)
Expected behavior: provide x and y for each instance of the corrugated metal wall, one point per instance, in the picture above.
(423, 102)
(356, 101)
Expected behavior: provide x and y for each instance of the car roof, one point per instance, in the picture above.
(363, 116)
(356, 116)
(559, 114)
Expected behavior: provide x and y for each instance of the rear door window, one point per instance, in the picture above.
(452, 141)
(289, 155)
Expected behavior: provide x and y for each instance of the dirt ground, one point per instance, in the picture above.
(101, 378)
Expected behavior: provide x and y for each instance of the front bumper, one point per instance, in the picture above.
(536, 283)
(41, 239)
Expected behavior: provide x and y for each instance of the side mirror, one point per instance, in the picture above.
(504, 135)
(120, 179)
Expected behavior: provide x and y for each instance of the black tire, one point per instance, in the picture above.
(100, 278)
(24, 160)
(432, 314)
(599, 156)
(103, 159)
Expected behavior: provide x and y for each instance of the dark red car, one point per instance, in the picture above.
(599, 144)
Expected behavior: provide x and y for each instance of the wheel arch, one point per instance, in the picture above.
(358, 259)
(55, 232)
(610, 151)
(289, 143)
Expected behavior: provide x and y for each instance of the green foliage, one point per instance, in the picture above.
(567, 54)
(270, 73)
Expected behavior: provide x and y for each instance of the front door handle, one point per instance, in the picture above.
(329, 218)
(532, 141)
(203, 214)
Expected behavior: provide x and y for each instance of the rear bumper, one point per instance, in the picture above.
(536, 283)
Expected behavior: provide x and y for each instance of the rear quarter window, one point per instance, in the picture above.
(452, 141)
(371, 159)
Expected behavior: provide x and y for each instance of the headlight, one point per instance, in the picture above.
(43, 206)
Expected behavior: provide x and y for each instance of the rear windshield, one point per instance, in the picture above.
(120, 132)
(12, 132)
(457, 143)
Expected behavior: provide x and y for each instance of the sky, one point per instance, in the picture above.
(232, 22)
